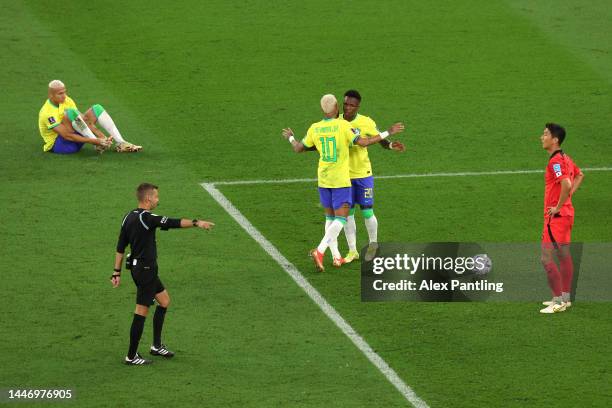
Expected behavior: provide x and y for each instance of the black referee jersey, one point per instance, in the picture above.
(138, 230)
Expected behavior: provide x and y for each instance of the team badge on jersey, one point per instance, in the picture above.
(356, 131)
(557, 169)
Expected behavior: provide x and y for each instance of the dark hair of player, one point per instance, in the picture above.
(351, 93)
(556, 131)
(144, 189)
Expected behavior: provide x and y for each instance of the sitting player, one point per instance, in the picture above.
(64, 129)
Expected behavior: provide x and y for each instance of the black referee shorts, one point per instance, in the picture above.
(147, 283)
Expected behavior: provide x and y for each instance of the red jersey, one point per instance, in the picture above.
(560, 166)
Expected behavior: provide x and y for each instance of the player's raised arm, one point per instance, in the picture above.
(186, 223)
(380, 138)
(166, 223)
(367, 141)
(298, 146)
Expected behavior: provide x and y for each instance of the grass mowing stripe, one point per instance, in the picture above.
(316, 297)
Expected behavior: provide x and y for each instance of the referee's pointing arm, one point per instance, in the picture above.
(137, 225)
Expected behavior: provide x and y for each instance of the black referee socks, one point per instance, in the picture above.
(135, 334)
(158, 323)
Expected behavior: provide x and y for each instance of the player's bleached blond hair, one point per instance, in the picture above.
(328, 103)
(56, 83)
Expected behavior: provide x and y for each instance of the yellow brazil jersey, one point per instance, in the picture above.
(359, 161)
(51, 116)
(332, 138)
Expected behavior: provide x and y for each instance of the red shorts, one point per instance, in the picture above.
(557, 230)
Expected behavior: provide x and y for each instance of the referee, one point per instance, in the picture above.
(138, 230)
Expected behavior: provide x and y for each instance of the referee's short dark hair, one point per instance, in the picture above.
(351, 93)
(556, 131)
(144, 189)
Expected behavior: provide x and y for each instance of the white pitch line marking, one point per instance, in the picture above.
(396, 176)
(316, 297)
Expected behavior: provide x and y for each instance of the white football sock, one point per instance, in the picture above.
(372, 227)
(331, 234)
(81, 127)
(333, 246)
(107, 123)
(350, 230)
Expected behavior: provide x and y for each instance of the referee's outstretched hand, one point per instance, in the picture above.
(207, 225)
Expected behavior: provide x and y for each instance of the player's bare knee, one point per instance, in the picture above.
(163, 299)
(142, 310)
(343, 211)
(164, 302)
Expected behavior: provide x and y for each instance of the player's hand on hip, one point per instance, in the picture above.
(287, 133)
(396, 128)
(399, 146)
(552, 211)
(115, 280)
(207, 225)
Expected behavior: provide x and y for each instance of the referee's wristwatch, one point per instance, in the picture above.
(116, 273)
(194, 223)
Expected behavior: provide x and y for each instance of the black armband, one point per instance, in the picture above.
(386, 144)
(167, 223)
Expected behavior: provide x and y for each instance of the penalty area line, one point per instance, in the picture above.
(397, 176)
(315, 296)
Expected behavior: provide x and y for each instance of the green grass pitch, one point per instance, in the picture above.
(206, 87)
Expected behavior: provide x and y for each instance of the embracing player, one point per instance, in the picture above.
(332, 137)
(562, 179)
(362, 180)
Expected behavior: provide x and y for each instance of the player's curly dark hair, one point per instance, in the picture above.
(556, 131)
(351, 93)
